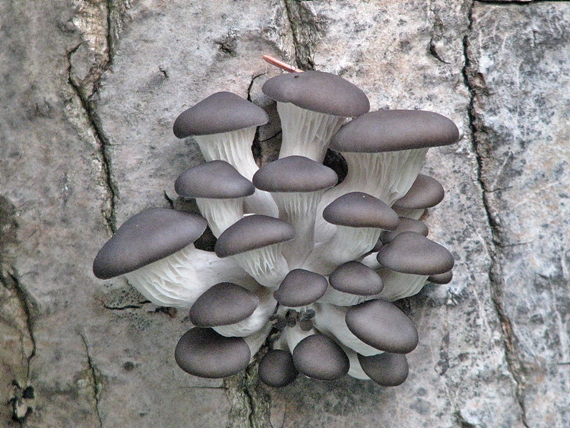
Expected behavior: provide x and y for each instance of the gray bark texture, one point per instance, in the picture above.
(89, 90)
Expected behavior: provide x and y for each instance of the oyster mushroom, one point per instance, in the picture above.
(277, 368)
(426, 192)
(319, 357)
(386, 369)
(301, 288)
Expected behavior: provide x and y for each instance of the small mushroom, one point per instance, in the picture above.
(383, 326)
(256, 241)
(277, 368)
(319, 357)
(205, 353)
(441, 278)
(312, 106)
(219, 191)
(406, 225)
(426, 192)
(296, 184)
(385, 369)
(356, 278)
(301, 288)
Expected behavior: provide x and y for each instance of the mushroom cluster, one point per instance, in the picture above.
(303, 264)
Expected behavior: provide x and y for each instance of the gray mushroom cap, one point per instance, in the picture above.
(441, 278)
(320, 357)
(294, 174)
(253, 232)
(426, 192)
(224, 303)
(406, 225)
(357, 209)
(145, 238)
(300, 288)
(277, 369)
(390, 130)
(410, 252)
(318, 91)
(216, 179)
(205, 353)
(383, 326)
(220, 112)
(356, 278)
(385, 369)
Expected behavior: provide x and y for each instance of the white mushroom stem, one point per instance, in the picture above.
(346, 244)
(409, 212)
(387, 176)
(235, 148)
(340, 298)
(306, 133)
(399, 285)
(330, 320)
(299, 209)
(179, 279)
(267, 265)
(220, 213)
(256, 340)
(256, 321)
(355, 370)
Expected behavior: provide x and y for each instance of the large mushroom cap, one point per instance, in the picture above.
(253, 232)
(406, 225)
(410, 252)
(277, 369)
(294, 174)
(220, 112)
(318, 91)
(390, 130)
(319, 357)
(205, 353)
(357, 209)
(145, 238)
(385, 369)
(356, 278)
(426, 192)
(383, 326)
(300, 288)
(224, 303)
(216, 179)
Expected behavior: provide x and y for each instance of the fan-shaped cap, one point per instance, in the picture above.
(224, 303)
(406, 225)
(385, 369)
(441, 278)
(390, 130)
(426, 192)
(318, 91)
(357, 209)
(253, 232)
(300, 288)
(319, 357)
(383, 326)
(220, 112)
(277, 369)
(145, 238)
(356, 278)
(410, 252)
(294, 174)
(216, 179)
(205, 353)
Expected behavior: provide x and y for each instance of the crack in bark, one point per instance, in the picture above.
(305, 30)
(94, 379)
(495, 274)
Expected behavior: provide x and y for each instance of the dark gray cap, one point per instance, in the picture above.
(441, 278)
(205, 353)
(385, 369)
(383, 326)
(406, 225)
(390, 130)
(318, 91)
(294, 174)
(224, 303)
(216, 179)
(253, 232)
(410, 252)
(277, 369)
(357, 209)
(220, 112)
(300, 288)
(426, 192)
(145, 238)
(356, 278)
(320, 357)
